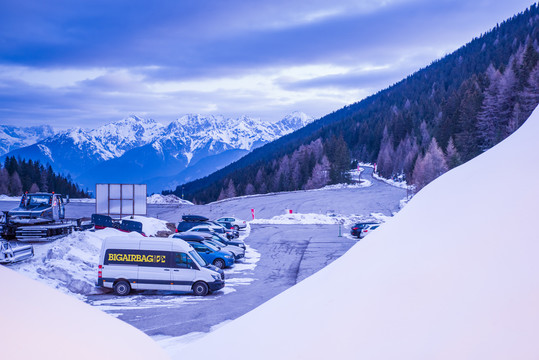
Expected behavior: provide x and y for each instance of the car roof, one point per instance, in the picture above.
(200, 234)
(194, 218)
(190, 236)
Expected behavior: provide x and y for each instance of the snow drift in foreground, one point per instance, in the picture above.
(454, 275)
(41, 323)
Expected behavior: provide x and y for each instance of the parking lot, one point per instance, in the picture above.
(290, 253)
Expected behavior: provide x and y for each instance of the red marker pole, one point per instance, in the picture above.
(253, 213)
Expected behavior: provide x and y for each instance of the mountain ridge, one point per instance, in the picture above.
(138, 149)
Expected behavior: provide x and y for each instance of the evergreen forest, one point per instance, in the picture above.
(18, 176)
(433, 120)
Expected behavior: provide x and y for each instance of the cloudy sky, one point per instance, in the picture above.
(86, 63)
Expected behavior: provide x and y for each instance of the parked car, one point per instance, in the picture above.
(221, 243)
(235, 242)
(209, 252)
(237, 223)
(230, 227)
(367, 229)
(212, 228)
(230, 230)
(357, 228)
(190, 221)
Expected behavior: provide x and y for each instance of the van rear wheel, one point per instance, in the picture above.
(122, 288)
(200, 288)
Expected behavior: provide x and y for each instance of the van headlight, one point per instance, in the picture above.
(216, 277)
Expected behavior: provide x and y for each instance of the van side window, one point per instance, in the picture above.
(183, 261)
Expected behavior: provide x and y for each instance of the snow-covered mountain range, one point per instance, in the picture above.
(13, 137)
(136, 150)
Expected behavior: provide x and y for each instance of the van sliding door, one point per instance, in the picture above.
(183, 272)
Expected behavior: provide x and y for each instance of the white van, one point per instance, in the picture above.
(155, 264)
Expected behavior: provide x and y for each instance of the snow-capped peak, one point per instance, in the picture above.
(13, 137)
(296, 119)
(114, 139)
(217, 133)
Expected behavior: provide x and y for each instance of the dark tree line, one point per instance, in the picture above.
(18, 176)
(435, 119)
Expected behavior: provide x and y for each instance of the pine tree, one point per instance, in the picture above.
(4, 181)
(15, 185)
(489, 117)
(384, 163)
(318, 179)
(452, 155)
(430, 166)
(34, 188)
(530, 94)
(230, 191)
(250, 189)
(222, 195)
(338, 155)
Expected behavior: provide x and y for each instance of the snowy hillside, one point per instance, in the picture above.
(451, 276)
(12, 137)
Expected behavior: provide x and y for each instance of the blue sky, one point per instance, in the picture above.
(86, 63)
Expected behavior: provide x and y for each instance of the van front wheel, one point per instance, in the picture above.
(122, 288)
(200, 288)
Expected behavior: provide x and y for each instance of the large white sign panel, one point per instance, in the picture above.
(120, 199)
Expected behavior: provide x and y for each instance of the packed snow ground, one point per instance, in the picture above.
(451, 276)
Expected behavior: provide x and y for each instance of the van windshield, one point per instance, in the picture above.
(200, 261)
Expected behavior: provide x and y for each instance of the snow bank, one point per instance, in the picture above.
(451, 276)
(41, 323)
(9, 198)
(69, 264)
(151, 226)
(319, 219)
(166, 199)
(82, 200)
(300, 219)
